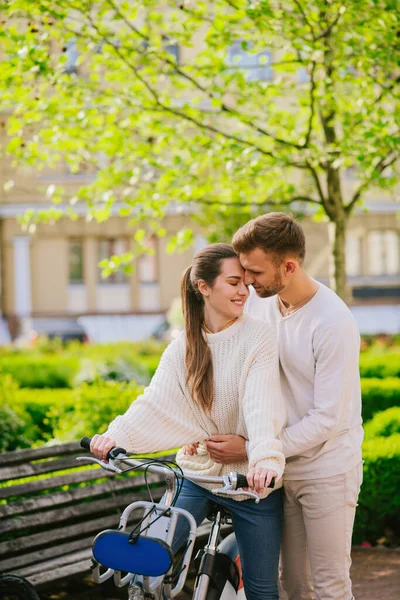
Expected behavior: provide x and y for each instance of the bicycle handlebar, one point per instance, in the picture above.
(241, 481)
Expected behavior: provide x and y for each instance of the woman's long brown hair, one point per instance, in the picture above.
(207, 266)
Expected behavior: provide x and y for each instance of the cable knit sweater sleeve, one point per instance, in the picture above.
(263, 408)
(161, 418)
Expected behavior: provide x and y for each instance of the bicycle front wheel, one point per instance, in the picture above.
(13, 587)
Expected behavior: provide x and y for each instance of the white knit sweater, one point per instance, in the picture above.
(247, 402)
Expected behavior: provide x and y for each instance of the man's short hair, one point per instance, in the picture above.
(276, 233)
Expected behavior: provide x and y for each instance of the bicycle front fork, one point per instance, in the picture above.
(207, 561)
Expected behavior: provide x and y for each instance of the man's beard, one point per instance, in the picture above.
(273, 289)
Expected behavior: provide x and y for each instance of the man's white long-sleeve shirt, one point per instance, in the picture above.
(319, 348)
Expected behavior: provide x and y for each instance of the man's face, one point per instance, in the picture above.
(262, 273)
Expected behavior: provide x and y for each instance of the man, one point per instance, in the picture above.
(319, 348)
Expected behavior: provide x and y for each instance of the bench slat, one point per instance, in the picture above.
(22, 456)
(45, 538)
(76, 511)
(20, 489)
(39, 556)
(70, 570)
(39, 468)
(56, 563)
(20, 507)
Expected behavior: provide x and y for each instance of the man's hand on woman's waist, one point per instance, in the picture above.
(227, 448)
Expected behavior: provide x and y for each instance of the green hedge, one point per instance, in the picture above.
(379, 502)
(383, 424)
(95, 406)
(378, 395)
(33, 417)
(33, 371)
(65, 368)
(380, 365)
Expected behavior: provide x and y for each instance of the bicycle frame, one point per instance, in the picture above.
(164, 527)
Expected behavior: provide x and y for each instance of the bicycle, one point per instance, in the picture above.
(143, 560)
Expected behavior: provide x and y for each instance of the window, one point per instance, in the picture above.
(353, 255)
(107, 248)
(75, 261)
(147, 265)
(71, 52)
(302, 75)
(256, 65)
(173, 50)
(384, 252)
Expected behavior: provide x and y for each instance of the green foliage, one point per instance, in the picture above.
(379, 502)
(42, 415)
(51, 366)
(383, 424)
(41, 411)
(205, 131)
(13, 435)
(95, 406)
(13, 427)
(35, 371)
(379, 394)
(380, 365)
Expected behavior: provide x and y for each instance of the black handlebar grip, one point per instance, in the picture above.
(85, 443)
(242, 482)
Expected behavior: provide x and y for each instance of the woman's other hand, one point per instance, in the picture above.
(190, 448)
(101, 445)
(259, 478)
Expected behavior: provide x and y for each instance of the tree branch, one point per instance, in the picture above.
(317, 182)
(306, 21)
(312, 104)
(225, 108)
(382, 164)
(330, 27)
(183, 115)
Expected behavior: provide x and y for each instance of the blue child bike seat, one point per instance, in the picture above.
(141, 555)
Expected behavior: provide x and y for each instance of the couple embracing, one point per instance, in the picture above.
(263, 380)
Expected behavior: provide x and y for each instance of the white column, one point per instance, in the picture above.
(22, 277)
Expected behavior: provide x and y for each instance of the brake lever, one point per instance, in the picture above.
(106, 466)
(227, 489)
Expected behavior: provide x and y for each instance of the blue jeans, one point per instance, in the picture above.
(257, 528)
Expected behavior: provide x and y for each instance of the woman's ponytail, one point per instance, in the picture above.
(198, 361)
(198, 358)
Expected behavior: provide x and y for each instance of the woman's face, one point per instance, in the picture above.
(228, 293)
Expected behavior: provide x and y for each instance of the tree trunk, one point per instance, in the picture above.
(338, 277)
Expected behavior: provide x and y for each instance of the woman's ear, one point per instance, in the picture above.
(203, 287)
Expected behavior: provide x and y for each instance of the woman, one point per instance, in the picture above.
(220, 376)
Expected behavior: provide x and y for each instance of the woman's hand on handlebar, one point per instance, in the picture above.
(101, 445)
(259, 478)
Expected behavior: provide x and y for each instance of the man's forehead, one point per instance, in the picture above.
(253, 259)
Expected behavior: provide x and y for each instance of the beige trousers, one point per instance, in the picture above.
(316, 545)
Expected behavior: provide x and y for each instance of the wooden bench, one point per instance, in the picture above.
(51, 507)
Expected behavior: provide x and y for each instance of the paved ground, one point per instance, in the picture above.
(375, 573)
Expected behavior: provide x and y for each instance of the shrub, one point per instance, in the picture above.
(13, 430)
(380, 365)
(379, 502)
(35, 371)
(94, 407)
(42, 409)
(383, 424)
(379, 394)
